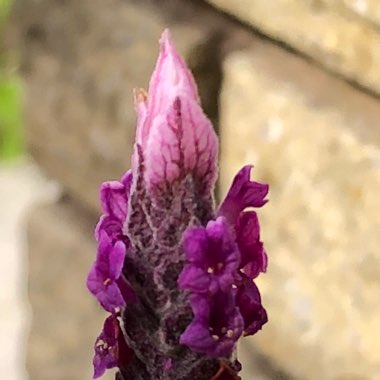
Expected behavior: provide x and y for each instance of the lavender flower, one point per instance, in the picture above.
(110, 347)
(216, 326)
(249, 302)
(213, 258)
(176, 274)
(114, 200)
(242, 194)
(105, 279)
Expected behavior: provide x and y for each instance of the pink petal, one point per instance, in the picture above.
(181, 141)
(175, 136)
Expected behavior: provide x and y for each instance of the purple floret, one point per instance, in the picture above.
(249, 302)
(223, 258)
(105, 275)
(253, 256)
(114, 202)
(110, 347)
(217, 324)
(242, 194)
(213, 258)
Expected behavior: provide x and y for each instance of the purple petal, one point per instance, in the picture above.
(102, 263)
(106, 292)
(200, 304)
(253, 256)
(242, 194)
(94, 283)
(110, 257)
(113, 199)
(249, 301)
(110, 225)
(116, 258)
(194, 279)
(195, 244)
(110, 297)
(198, 337)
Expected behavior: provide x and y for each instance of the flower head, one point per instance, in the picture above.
(176, 274)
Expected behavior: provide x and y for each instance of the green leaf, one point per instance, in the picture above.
(11, 142)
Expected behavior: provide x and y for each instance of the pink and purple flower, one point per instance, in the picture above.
(176, 273)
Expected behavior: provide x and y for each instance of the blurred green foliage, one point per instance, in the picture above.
(10, 98)
(10, 116)
(5, 6)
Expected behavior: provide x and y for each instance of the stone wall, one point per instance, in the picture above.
(316, 141)
(311, 135)
(338, 34)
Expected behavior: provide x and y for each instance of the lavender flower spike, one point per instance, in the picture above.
(175, 272)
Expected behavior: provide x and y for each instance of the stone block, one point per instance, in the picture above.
(316, 141)
(333, 33)
(65, 318)
(81, 60)
(367, 9)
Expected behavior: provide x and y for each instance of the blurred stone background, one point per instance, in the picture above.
(292, 87)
